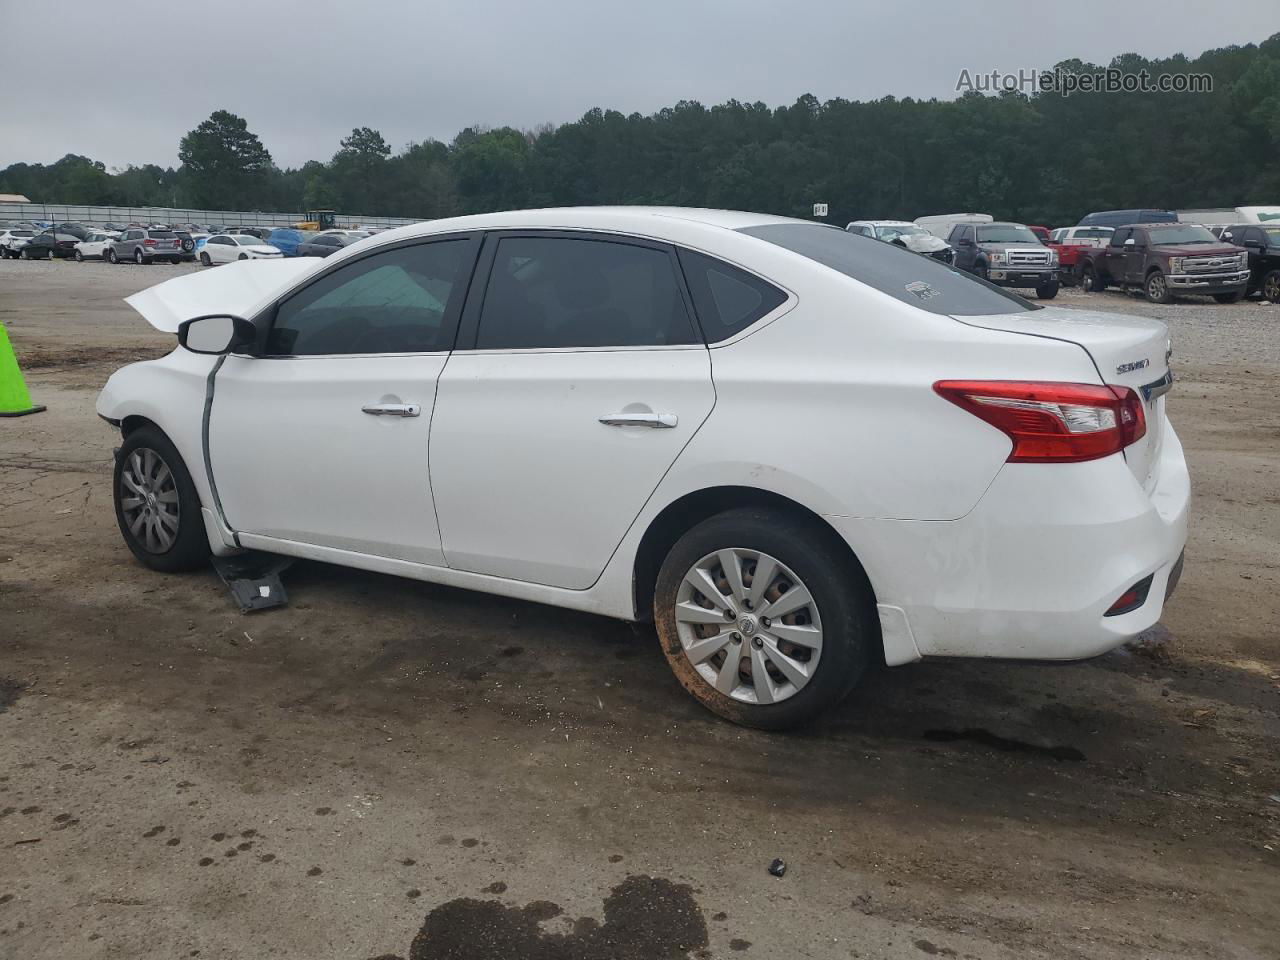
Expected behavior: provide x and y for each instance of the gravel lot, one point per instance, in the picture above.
(391, 769)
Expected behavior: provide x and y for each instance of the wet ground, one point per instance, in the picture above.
(391, 769)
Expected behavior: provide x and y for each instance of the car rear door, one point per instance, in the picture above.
(321, 438)
(579, 377)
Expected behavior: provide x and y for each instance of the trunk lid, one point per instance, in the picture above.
(1128, 352)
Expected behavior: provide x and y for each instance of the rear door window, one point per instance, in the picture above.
(568, 292)
(919, 281)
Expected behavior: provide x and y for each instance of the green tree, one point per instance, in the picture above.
(226, 166)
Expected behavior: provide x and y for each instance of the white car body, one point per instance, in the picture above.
(12, 241)
(940, 224)
(228, 247)
(94, 246)
(827, 404)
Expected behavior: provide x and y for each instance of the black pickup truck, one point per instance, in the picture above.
(1262, 241)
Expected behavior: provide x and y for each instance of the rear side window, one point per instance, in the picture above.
(557, 292)
(914, 279)
(728, 300)
(161, 234)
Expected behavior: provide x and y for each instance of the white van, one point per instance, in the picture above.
(940, 224)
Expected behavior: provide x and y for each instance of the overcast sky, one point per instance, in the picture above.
(123, 81)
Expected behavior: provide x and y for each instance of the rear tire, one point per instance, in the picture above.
(138, 258)
(164, 507)
(1091, 279)
(801, 680)
(111, 255)
(79, 257)
(1227, 297)
(1047, 291)
(1156, 288)
(204, 259)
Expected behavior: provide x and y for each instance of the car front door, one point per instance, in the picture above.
(1114, 254)
(1135, 256)
(961, 240)
(570, 395)
(321, 438)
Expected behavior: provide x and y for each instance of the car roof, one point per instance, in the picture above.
(597, 218)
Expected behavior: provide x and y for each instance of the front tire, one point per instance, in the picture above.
(1271, 286)
(157, 506)
(243, 257)
(763, 618)
(1047, 291)
(111, 255)
(79, 257)
(1157, 288)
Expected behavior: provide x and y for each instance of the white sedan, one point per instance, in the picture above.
(226, 247)
(796, 450)
(93, 247)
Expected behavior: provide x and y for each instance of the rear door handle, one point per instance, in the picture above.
(655, 420)
(393, 409)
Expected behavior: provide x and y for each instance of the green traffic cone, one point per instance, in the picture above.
(14, 399)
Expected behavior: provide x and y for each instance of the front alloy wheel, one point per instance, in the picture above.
(749, 626)
(149, 500)
(1157, 288)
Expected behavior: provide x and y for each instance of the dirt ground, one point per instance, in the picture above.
(391, 769)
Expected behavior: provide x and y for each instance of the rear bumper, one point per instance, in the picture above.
(1031, 571)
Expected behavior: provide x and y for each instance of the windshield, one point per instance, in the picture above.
(895, 230)
(922, 282)
(1181, 233)
(1006, 233)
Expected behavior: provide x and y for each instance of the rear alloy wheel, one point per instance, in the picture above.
(1157, 288)
(762, 619)
(79, 257)
(157, 506)
(138, 258)
(1271, 286)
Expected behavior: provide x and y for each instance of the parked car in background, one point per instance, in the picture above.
(600, 396)
(286, 239)
(1006, 254)
(354, 234)
(1120, 218)
(1042, 233)
(324, 244)
(907, 235)
(941, 225)
(260, 232)
(226, 247)
(93, 247)
(1070, 244)
(75, 229)
(145, 245)
(12, 240)
(48, 246)
(1162, 259)
(188, 241)
(1262, 244)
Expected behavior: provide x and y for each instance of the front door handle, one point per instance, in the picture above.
(393, 409)
(655, 420)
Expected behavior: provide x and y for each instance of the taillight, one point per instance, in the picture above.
(1052, 422)
(148, 242)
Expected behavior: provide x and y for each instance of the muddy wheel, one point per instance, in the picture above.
(1271, 286)
(763, 618)
(1157, 288)
(157, 506)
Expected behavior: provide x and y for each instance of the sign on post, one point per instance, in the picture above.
(819, 209)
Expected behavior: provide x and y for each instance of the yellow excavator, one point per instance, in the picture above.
(318, 220)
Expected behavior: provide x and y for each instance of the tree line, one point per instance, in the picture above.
(1038, 158)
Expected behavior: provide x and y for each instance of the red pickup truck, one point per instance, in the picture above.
(1072, 243)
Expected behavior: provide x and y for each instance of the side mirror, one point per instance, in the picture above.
(1130, 242)
(216, 333)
